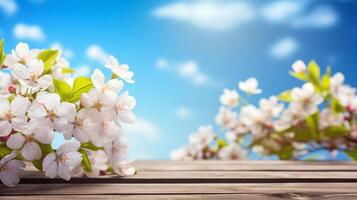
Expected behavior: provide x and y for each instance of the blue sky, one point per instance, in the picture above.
(184, 53)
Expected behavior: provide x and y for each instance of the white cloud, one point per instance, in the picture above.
(8, 6)
(96, 53)
(321, 17)
(67, 53)
(188, 70)
(28, 32)
(211, 15)
(143, 128)
(282, 11)
(296, 14)
(284, 48)
(183, 113)
(162, 63)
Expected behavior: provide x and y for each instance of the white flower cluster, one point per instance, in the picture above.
(39, 98)
(320, 115)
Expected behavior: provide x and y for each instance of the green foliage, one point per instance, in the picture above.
(63, 89)
(314, 73)
(286, 152)
(67, 93)
(325, 80)
(49, 58)
(85, 160)
(2, 52)
(4, 150)
(352, 154)
(336, 106)
(301, 75)
(221, 143)
(336, 131)
(81, 85)
(67, 70)
(312, 122)
(45, 150)
(89, 145)
(285, 96)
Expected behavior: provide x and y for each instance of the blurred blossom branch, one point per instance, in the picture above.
(39, 97)
(318, 116)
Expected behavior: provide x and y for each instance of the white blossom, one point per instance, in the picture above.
(180, 154)
(344, 93)
(31, 75)
(271, 106)
(120, 70)
(307, 98)
(63, 161)
(12, 115)
(299, 66)
(28, 140)
(22, 54)
(124, 106)
(113, 85)
(290, 117)
(99, 162)
(226, 118)
(250, 86)
(115, 150)
(203, 137)
(258, 123)
(10, 169)
(49, 109)
(5, 80)
(329, 118)
(95, 100)
(108, 129)
(229, 98)
(81, 126)
(232, 152)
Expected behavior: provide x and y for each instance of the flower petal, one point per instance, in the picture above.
(15, 141)
(5, 128)
(31, 151)
(45, 81)
(68, 147)
(19, 105)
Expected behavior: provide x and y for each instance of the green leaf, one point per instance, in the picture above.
(63, 89)
(67, 70)
(314, 73)
(2, 52)
(4, 150)
(45, 150)
(352, 154)
(221, 143)
(325, 80)
(286, 152)
(85, 160)
(335, 131)
(336, 106)
(80, 85)
(301, 75)
(312, 122)
(285, 96)
(89, 145)
(48, 57)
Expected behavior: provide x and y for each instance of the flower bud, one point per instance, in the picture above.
(11, 88)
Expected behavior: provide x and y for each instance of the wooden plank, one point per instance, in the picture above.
(245, 165)
(126, 189)
(191, 196)
(205, 177)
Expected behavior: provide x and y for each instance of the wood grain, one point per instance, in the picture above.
(268, 180)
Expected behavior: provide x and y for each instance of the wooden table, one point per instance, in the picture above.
(214, 180)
